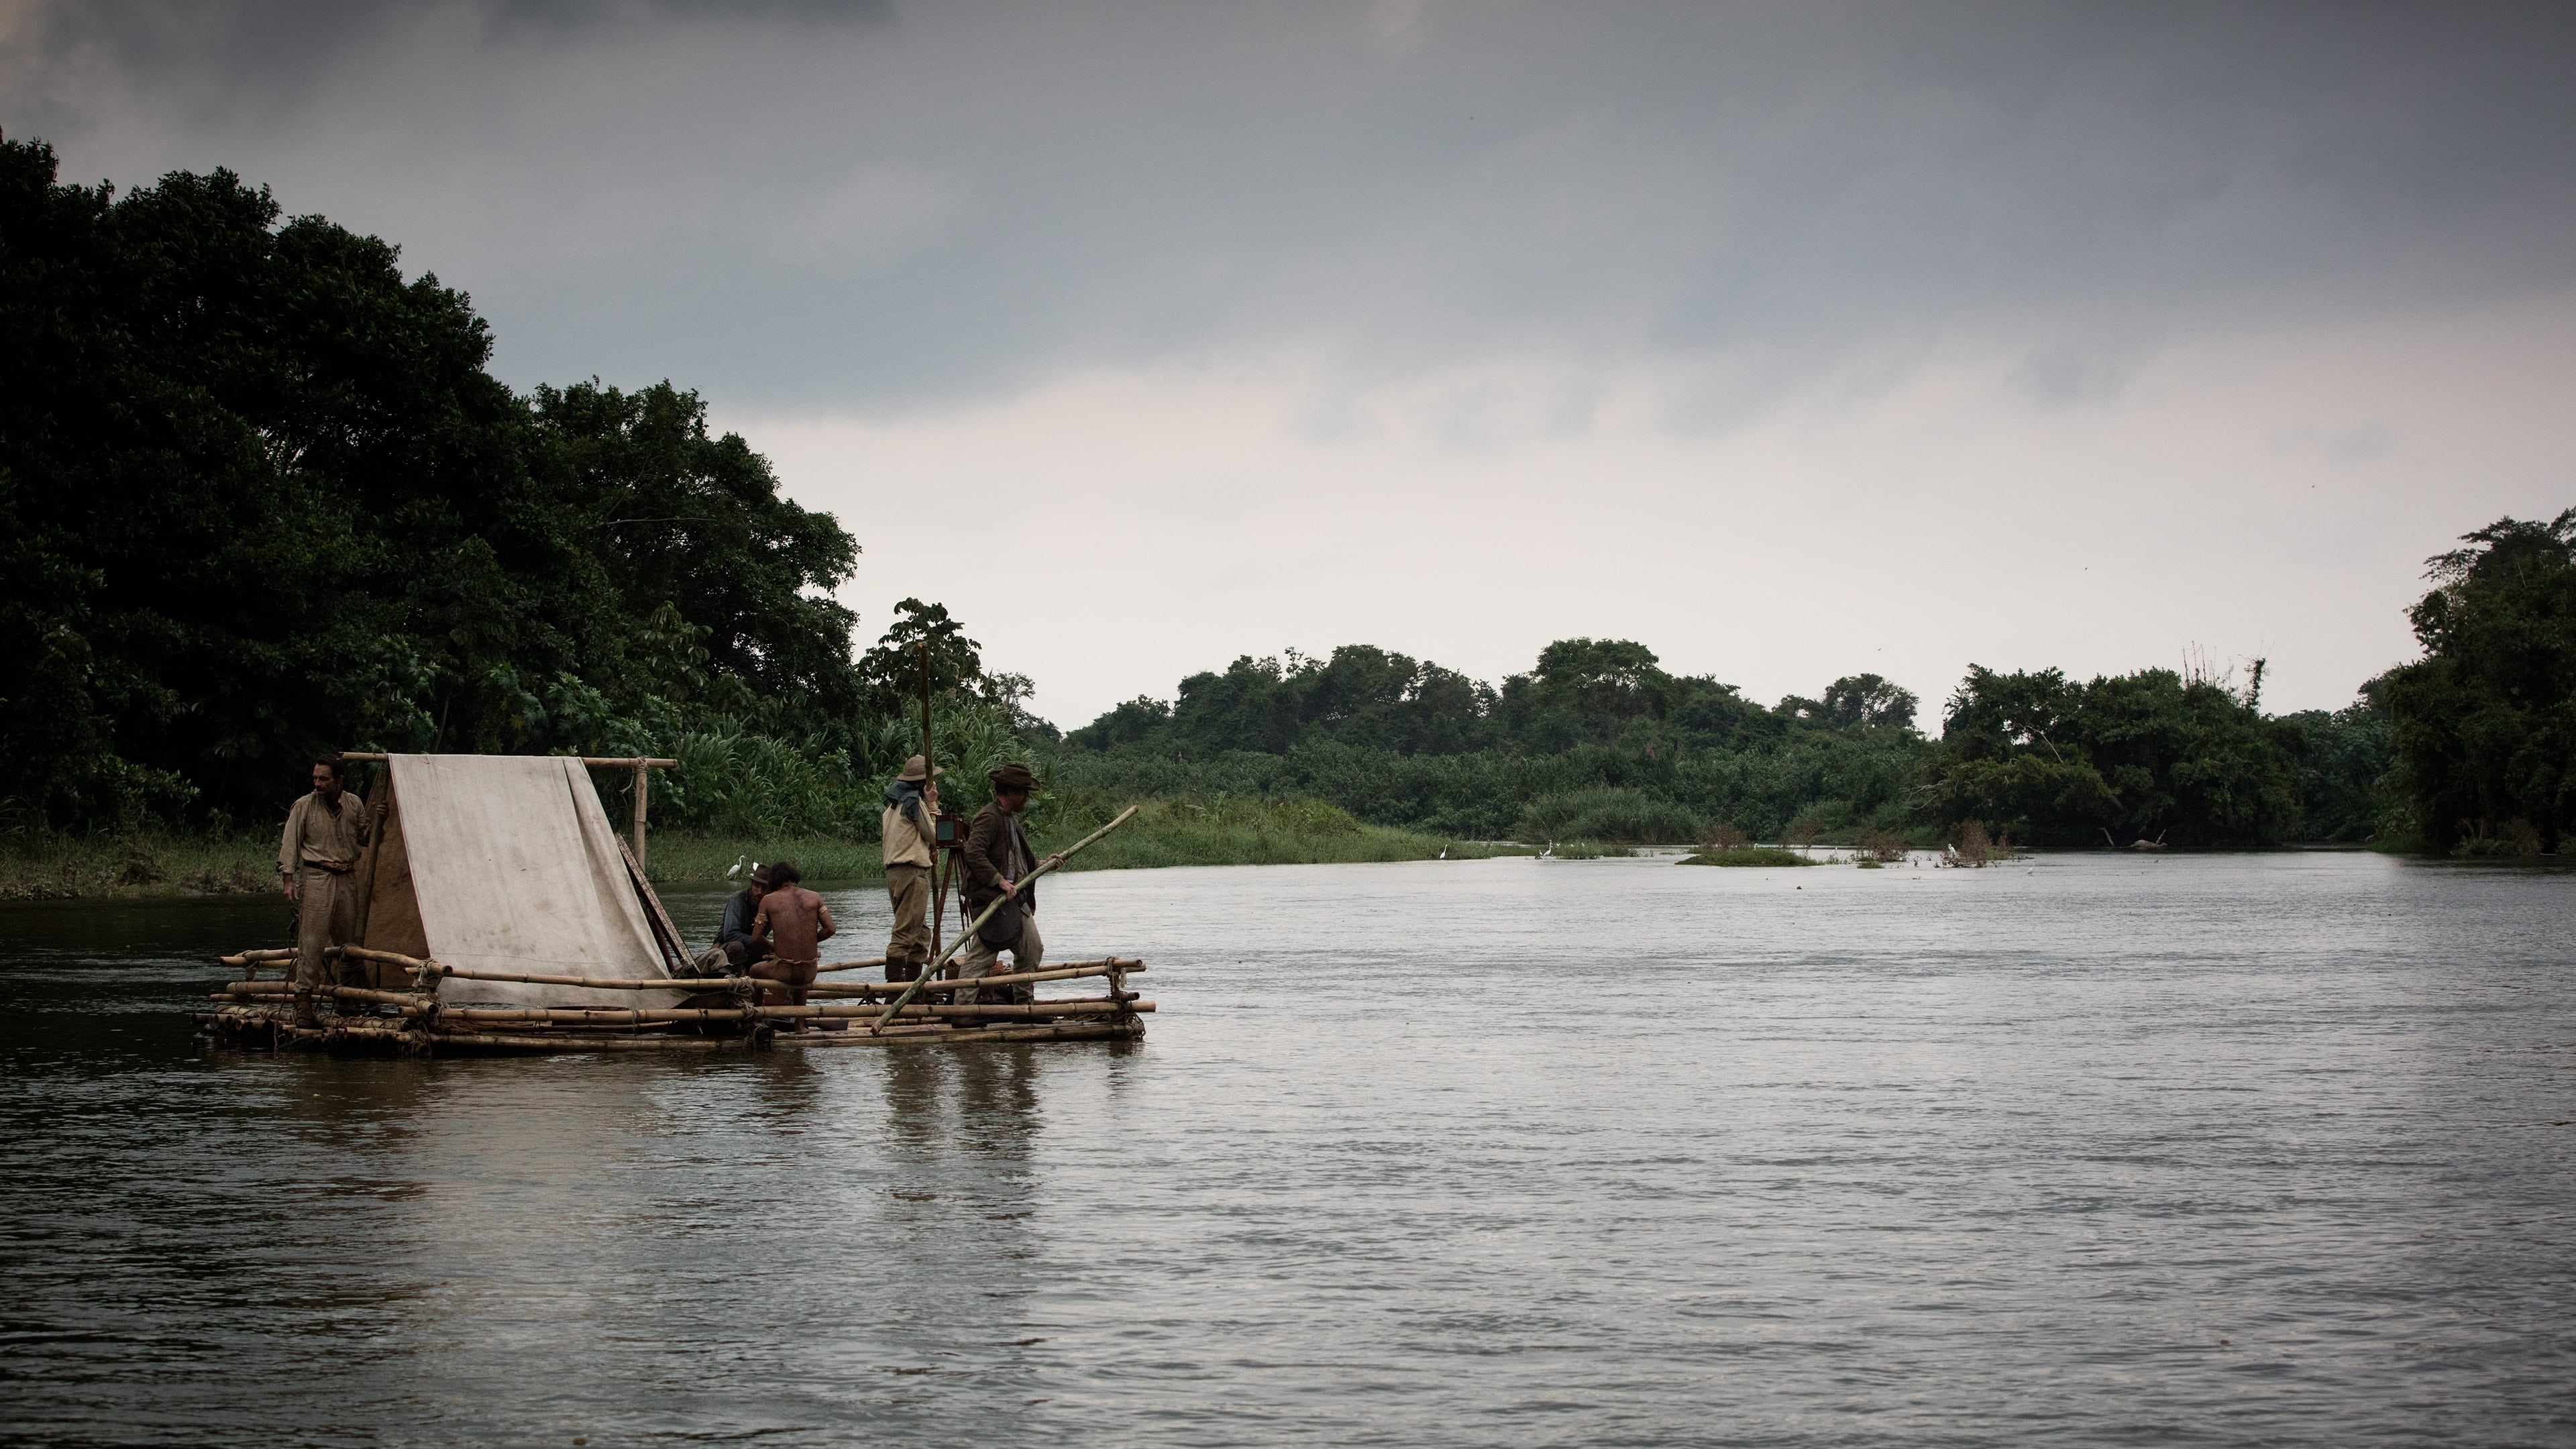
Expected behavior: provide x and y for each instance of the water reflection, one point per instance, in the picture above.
(1462, 1153)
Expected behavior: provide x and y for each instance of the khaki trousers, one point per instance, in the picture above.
(1026, 955)
(326, 914)
(908, 949)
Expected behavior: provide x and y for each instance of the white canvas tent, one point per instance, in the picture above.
(507, 863)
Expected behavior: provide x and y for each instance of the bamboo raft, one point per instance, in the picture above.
(409, 1003)
(259, 1014)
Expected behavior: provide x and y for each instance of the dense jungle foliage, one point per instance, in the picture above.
(260, 497)
(2485, 723)
(1597, 741)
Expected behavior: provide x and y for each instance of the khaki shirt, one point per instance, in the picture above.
(318, 835)
(907, 839)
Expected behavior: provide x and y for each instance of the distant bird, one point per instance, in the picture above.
(1444, 852)
(737, 866)
(1549, 852)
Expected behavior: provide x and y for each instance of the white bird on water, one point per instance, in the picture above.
(1444, 852)
(737, 866)
(1549, 853)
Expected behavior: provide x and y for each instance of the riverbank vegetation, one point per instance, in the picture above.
(261, 498)
(1749, 855)
(1598, 740)
(157, 862)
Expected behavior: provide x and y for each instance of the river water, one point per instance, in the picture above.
(2088, 1149)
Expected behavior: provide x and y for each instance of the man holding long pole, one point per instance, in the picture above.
(998, 865)
(912, 803)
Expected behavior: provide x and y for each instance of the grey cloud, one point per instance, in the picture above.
(784, 204)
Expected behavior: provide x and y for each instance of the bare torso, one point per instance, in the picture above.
(795, 923)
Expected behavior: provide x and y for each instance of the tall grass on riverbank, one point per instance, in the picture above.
(57, 867)
(1188, 830)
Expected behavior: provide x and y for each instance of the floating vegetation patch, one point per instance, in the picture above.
(1751, 855)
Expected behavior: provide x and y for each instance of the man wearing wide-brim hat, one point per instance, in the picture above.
(912, 803)
(998, 862)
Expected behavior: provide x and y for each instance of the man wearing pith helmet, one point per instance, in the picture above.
(998, 862)
(912, 803)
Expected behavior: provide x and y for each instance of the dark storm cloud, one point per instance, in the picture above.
(792, 202)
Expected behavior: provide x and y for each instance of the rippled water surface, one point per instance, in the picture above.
(2091, 1149)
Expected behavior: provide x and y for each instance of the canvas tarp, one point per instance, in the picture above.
(510, 865)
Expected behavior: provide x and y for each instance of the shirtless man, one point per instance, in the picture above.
(793, 923)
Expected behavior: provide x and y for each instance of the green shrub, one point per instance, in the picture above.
(1608, 814)
(1750, 855)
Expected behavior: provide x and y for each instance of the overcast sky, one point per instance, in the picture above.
(1793, 341)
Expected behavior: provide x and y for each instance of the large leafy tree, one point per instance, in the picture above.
(2149, 754)
(892, 670)
(259, 496)
(676, 518)
(1586, 690)
(2484, 725)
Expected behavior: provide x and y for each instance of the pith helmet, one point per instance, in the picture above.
(912, 770)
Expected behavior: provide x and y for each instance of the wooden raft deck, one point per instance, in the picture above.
(712, 1014)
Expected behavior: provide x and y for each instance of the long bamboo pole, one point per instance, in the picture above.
(369, 953)
(930, 781)
(441, 970)
(1069, 971)
(1115, 1029)
(251, 961)
(643, 790)
(940, 962)
(564, 1040)
(654, 1016)
(255, 990)
(657, 922)
(382, 827)
(589, 1043)
(603, 762)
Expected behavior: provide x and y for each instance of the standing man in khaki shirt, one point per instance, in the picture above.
(324, 832)
(912, 802)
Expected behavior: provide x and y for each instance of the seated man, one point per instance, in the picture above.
(793, 923)
(735, 951)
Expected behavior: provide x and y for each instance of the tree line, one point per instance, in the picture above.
(2472, 748)
(261, 498)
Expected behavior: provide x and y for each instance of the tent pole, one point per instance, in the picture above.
(938, 887)
(643, 779)
(375, 846)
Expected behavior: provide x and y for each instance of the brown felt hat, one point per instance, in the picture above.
(912, 770)
(1014, 779)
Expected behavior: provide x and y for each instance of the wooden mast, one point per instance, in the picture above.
(939, 892)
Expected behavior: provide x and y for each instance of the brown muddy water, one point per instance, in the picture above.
(2092, 1149)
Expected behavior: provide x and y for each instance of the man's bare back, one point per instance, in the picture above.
(794, 923)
